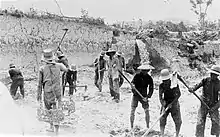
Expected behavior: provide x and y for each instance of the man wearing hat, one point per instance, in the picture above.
(49, 80)
(62, 59)
(71, 77)
(17, 81)
(121, 67)
(100, 67)
(141, 81)
(211, 96)
(168, 94)
(113, 74)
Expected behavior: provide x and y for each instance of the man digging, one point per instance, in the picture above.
(62, 59)
(100, 67)
(168, 94)
(49, 80)
(141, 81)
(210, 96)
(71, 78)
(17, 81)
(113, 74)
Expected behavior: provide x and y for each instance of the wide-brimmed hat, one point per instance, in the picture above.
(47, 55)
(189, 44)
(60, 54)
(145, 66)
(110, 51)
(11, 65)
(215, 69)
(165, 74)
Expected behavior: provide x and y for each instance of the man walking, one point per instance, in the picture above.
(49, 80)
(121, 67)
(17, 81)
(100, 67)
(62, 59)
(113, 74)
(166, 96)
(141, 81)
(211, 96)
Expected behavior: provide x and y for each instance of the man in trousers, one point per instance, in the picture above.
(211, 96)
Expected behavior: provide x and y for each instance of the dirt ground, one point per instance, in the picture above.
(99, 115)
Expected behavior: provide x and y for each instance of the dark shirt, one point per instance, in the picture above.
(15, 74)
(168, 94)
(141, 83)
(71, 75)
(210, 90)
(102, 63)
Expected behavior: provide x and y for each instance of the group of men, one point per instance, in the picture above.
(115, 64)
(169, 90)
(169, 93)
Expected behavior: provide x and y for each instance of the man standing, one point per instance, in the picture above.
(17, 81)
(49, 80)
(166, 96)
(113, 74)
(62, 59)
(141, 81)
(100, 67)
(71, 78)
(121, 67)
(211, 96)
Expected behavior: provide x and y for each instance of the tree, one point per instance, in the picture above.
(200, 7)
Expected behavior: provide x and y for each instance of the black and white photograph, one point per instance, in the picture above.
(110, 68)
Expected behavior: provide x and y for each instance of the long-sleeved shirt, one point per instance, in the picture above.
(210, 92)
(113, 67)
(49, 77)
(15, 74)
(168, 94)
(141, 83)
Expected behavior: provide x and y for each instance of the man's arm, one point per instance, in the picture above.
(10, 74)
(62, 67)
(151, 87)
(40, 85)
(162, 101)
(197, 86)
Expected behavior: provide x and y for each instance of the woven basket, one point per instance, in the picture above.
(53, 115)
(68, 105)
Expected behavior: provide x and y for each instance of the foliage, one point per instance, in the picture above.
(200, 7)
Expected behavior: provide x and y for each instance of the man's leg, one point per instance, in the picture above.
(163, 121)
(134, 104)
(176, 115)
(14, 88)
(21, 85)
(111, 87)
(48, 106)
(116, 89)
(96, 77)
(201, 119)
(70, 87)
(101, 80)
(145, 106)
(215, 126)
